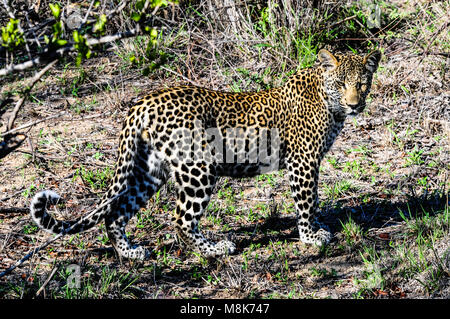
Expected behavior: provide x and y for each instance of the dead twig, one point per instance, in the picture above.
(26, 92)
(342, 21)
(12, 195)
(180, 75)
(60, 114)
(47, 281)
(11, 210)
(34, 123)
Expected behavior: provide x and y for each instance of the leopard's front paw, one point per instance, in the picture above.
(222, 248)
(225, 247)
(135, 252)
(320, 238)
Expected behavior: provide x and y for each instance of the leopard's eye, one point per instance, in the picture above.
(340, 83)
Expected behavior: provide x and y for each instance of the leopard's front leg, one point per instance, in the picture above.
(303, 178)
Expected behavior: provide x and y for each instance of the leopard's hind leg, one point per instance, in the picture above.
(195, 183)
(140, 173)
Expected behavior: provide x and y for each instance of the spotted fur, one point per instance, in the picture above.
(305, 115)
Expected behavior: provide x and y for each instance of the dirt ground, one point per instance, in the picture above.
(383, 191)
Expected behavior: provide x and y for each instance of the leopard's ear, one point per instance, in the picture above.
(371, 60)
(327, 60)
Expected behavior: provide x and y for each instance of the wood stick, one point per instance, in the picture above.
(33, 123)
(47, 281)
(25, 93)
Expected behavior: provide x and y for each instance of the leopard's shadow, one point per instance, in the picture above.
(276, 228)
(374, 215)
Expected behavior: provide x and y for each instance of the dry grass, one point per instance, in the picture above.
(383, 186)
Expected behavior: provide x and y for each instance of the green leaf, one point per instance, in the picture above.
(78, 60)
(100, 24)
(9, 27)
(4, 32)
(11, 36)
(160, 3)
(76, 36)
(136, 16)
(153, 34)
(61, 42)
(57, 28)
(56, 10)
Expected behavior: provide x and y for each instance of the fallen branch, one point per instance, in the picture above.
(342, 21)
(47, 281)
(12, 210)
(62, 113)
(180, 75)
(26, 91)
(33, 123)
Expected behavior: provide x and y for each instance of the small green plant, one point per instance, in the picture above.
(30, 229)
(322, 272)
(151, 58)
(12, 37)
(333, 162)
(361, 149)
(280, 256)
(29, 191)
(423, 182)
(97, 179)
(56, 40)
(355, 168)
(338, 189)
(396, 140)
(352, 232)
(146, 220)
(414, 157)
(267, 179)
(373, 274)
(201, 259)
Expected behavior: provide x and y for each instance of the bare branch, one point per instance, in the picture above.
(180, 75)
(49, 56)
(47, 281)
(8, 9)
(33, 123)
(28, 88)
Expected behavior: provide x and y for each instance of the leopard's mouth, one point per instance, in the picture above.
(354, 110)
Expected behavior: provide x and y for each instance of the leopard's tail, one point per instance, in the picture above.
(48, 223)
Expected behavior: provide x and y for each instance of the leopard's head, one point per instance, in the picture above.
(347, 80)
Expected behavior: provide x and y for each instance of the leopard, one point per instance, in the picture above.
(194, 136)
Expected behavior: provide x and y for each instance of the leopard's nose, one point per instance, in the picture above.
(353, 105)
(351, 97)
